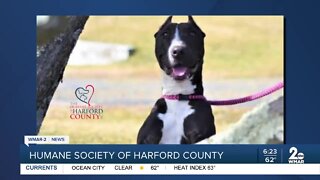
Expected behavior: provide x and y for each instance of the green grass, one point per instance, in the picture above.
(236, 46)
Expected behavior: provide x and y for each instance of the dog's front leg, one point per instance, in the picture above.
(193, 137)
(150, 132)
(148, 140)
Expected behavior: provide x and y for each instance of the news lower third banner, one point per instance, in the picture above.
(60, 159)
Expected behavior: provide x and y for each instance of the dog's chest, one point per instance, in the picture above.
(173, 121)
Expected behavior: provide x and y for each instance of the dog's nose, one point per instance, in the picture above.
(177, 51)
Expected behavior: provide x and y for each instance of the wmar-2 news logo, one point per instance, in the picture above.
(296, 157)
(83, 108)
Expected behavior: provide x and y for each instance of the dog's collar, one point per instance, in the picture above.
(182, 97)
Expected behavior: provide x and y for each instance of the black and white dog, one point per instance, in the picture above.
(179, 51)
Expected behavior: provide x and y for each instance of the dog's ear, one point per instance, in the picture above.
(190, 20)
(168, 21)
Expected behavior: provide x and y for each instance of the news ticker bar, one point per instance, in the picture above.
(168, 169)
(153, 154)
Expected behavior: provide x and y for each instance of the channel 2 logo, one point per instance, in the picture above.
(296, 156)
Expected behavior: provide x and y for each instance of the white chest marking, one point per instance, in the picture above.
(173, 120)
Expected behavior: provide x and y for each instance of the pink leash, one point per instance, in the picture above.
(252, 97)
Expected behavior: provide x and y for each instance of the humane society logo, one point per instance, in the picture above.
(85, 94)
(83, 108)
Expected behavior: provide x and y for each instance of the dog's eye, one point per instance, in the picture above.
(165, 34)
(192, 33)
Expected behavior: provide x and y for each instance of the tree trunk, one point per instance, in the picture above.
(51, 62)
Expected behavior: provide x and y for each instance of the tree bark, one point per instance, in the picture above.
(51, 62)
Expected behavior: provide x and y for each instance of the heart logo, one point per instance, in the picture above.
(85, 94)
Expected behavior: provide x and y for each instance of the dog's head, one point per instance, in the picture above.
(180, 48)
